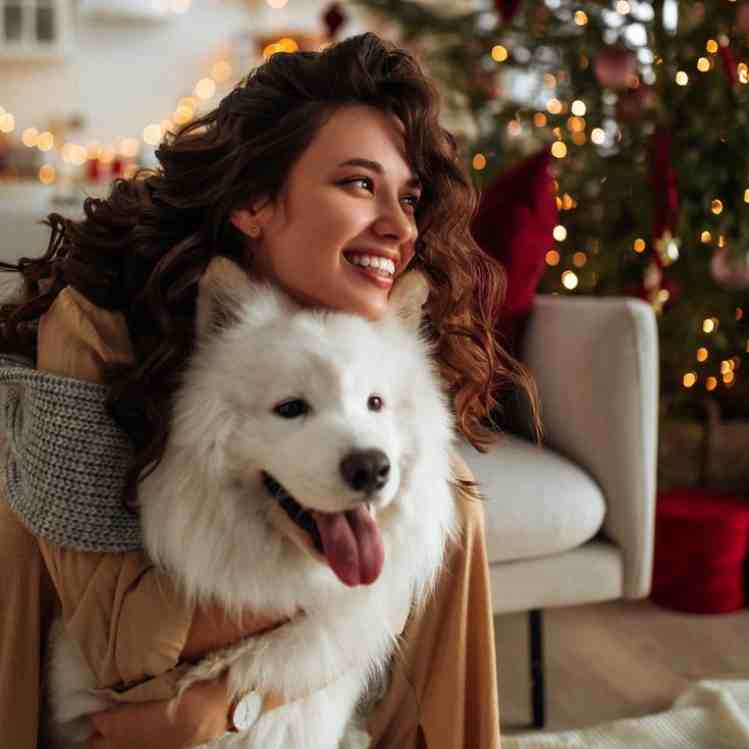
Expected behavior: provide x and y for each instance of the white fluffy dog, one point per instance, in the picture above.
(307, 474)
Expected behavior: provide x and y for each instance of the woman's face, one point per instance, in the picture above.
(343, 226)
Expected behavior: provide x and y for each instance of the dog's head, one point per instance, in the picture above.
(320, 420)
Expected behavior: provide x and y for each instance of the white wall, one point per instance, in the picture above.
(124, 75)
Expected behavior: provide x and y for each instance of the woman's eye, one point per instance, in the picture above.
(413, 200)
(375, 403)
(368, 180)
(292, 409)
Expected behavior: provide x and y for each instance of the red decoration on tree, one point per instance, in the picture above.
(507, 9)
(514, 223)
(664, 181)
(333, 18)
(615, 67)
(730, 64)
(632, 102)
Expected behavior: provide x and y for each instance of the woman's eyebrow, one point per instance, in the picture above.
(375, 166)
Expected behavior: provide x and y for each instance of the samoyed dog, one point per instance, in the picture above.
(307, 474)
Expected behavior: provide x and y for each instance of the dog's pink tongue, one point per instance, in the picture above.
(352, 544)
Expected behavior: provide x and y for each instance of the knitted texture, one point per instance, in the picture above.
(66, 461)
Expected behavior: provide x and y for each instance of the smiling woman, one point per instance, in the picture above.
(328, 175)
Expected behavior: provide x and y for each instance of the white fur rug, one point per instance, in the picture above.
(710, 714)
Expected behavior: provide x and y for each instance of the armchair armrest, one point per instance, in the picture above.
(595, 361)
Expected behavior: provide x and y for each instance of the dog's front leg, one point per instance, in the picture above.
(320, 720)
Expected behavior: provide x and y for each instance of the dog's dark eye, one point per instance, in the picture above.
(375, 403)
(291, 409)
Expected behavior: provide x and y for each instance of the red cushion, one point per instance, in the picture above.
(701, 544)
(514, 223)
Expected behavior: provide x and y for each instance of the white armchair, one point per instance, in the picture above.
(572, 522)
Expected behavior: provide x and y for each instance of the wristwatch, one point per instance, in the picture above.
(244, 711)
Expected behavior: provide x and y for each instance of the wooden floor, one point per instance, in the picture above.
(615, 660)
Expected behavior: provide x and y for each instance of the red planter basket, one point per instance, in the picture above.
(701, 548)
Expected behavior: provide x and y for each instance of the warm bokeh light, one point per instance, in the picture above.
(578, 108)
(152, 134)
(479, 161)
(514, 128)
(499, 53)
(706, 237)
(47, 174)
(553, 258)
(569, 280)
(560, 233)
(554, 106)
(559, 150)
(711, 383)
(709, 325)
(598, 136)
(682, 78)
(30, 137)
(581, 17)
(703, 64)
(716, 206)
(711, 46)
(539, 120)
(639, 245)
(221, 71)
(690, 379)
(579, 259)
(205, 88)
(623, 7)
(702, 354)
(46, 141)
(7, 123)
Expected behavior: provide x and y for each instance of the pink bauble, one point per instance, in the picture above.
(615, 66)
(632, 102)
(730, 269)
(742, 18)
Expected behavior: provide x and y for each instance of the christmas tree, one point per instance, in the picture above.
(645, 107)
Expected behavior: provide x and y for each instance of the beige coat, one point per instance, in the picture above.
(443, 693)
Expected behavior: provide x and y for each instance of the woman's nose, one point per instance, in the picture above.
(394, 223)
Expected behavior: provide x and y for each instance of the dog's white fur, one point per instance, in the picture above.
(208, 519)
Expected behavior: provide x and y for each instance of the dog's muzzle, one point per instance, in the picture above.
(293, 509)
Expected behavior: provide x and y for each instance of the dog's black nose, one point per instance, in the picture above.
(366, 470)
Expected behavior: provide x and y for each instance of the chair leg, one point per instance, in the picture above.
(538, 696)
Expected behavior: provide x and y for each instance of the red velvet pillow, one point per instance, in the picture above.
(701, 545)
(514, 223)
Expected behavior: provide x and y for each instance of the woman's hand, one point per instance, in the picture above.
(201, 716)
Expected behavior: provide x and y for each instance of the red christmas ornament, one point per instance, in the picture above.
(632, 102)
(730, 65)
(615, 67)
(665, 185)
(514, 223)
(507, 9)
(333, 18)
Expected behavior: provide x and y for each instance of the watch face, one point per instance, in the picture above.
(247, 711)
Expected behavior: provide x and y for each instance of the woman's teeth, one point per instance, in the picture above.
(381, 265)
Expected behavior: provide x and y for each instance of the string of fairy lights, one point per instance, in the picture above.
(577, 133)
(204, 92)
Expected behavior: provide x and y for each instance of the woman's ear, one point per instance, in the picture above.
(252, 219)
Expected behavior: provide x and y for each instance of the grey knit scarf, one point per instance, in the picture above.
(66, 460)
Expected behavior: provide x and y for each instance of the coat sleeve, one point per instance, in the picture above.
(108, 599)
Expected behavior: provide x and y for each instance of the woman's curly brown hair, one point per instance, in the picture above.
(142, 250)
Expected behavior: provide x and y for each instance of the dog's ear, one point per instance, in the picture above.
(222, 289)
(408, 297)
